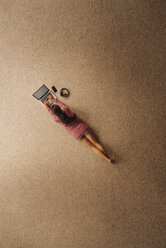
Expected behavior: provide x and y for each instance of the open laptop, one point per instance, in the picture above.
(42, 94)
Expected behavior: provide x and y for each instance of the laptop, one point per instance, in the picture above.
(42, 94)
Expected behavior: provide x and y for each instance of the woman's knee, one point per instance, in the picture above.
(92, 138)
(87, 142)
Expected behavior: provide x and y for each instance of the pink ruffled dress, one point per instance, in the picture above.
(76, 128)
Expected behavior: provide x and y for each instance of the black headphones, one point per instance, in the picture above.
(63, 92)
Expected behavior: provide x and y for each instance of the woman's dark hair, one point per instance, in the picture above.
(62, 115)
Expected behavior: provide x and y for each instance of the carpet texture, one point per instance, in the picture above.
(54, 191)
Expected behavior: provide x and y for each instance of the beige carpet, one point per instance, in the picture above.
(54, 191)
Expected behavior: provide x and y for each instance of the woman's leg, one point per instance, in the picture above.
(92, 138)
(100, 153)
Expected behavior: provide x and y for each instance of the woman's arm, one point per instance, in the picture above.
(47, 105)
(61, 104)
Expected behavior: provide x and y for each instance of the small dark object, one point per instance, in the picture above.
(54, 89)
(63, 93)
(113, 161)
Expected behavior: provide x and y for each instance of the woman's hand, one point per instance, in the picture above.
(50, 97)
(45, 103)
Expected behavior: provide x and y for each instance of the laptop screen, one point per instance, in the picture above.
(41, 92)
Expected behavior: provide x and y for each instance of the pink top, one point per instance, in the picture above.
(76, 128)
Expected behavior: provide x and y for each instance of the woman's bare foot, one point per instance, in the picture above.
(111, 161)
